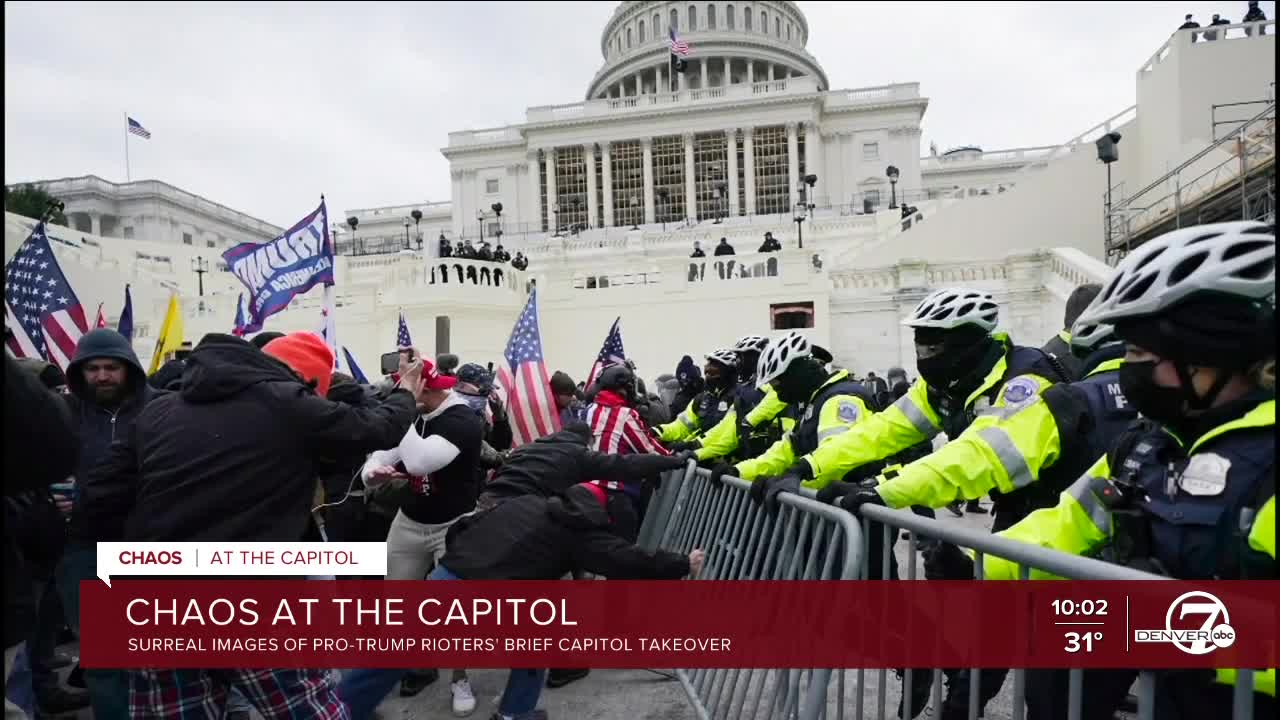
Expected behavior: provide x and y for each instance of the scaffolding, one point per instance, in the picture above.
(627, 166)
(710, 164)
(571, 187)
(773, 196)
(668, 176)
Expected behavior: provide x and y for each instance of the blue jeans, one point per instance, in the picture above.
(108, 689)
(362, 690)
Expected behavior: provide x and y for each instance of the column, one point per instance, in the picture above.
(749, 159)
(95, 223)
(793, 163)
(690, 182)
(684, 78)
(813, 157)
(647, 145)
(727, 79)
(770, 72)
(607, 176)
(705, 73)
(532, 211)
(731, 142)
(553, 219)
(639, 84)
(751, 71)
(589, 152)
(663, 82)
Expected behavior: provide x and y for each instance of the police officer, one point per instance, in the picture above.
(1188, 490)
(757, 418)
(708, 407)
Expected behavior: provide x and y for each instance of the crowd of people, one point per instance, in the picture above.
(1167, 362)
(465, 250)
(1252, 15)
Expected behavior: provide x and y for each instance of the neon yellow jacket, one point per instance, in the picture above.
(722, 440)
(1080, 524)
(985, 455)
(832, 425)
(685, 426)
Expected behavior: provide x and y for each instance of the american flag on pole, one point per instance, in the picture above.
(42, 311)
(678, 46)
(102, 318)
(402, 335)
(610, 354)
(524, 377)
(136, 128)
(328, 326)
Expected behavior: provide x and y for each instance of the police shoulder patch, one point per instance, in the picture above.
(848, 411)
(1205, 475)
(1020, 391)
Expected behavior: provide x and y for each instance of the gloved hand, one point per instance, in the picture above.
(831, 494)
(720, 471)
(944, 561)
(685, 456)
(766, 490)
(865, 495)
(687, 445)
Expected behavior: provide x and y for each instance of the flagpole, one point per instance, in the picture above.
(127, 174)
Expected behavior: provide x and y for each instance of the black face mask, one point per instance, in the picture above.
(799, 382)
(943, 370)
(1161, 404)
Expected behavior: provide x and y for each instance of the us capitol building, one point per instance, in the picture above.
(607, 196)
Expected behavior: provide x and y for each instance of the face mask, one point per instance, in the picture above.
(944, 368)
(800, 381)
(1159, 403)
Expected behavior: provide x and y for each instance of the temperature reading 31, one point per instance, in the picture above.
(1077, 641)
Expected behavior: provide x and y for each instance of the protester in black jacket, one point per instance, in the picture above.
(345, 518)
(552, 464)
(233, 456)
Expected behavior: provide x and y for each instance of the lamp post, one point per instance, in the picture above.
(417, 218)
(1109, 153)
(480, 222)
(199, 266)
(406, 233)
(801, 212)
(352, 222)
(665, 196)
(635, 217)
(892, 173)
(497, 214)
(555, 219)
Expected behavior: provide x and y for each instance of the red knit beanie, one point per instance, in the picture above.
(308, 355)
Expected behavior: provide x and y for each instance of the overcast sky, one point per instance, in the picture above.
(262, 106)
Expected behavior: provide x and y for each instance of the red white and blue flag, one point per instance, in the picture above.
(136, 128)
(40, 308)
(402, 335)
(530, 405)
(239, 330)
(678, 46)
(102, 318)
(611, 353)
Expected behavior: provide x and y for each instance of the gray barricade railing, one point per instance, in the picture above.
(802, 540)
(1028, 557)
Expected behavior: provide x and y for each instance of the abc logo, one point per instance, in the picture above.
(1223, 636)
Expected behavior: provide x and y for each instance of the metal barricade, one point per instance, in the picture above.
(802, 540)
(1027, 557)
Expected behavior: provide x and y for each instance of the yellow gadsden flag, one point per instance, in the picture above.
(170, 338)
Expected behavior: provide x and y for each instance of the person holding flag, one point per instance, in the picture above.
(611, 353)
(402, 335)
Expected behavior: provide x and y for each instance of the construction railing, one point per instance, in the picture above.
(805, 540)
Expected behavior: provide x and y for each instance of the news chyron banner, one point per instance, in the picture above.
(259, 609)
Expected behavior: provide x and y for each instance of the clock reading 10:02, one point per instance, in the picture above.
(1080, 608)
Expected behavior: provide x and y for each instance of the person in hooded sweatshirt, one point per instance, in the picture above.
(690, 379)
(233, 457)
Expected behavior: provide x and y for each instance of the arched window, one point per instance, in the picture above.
(746, 19)
(619, 43)
(777, 26)
(728, 17)
(642, 38)
(657, 26)
(693, 18)
(628, 38)
(764, 22)
(711, 17)
(788, 32)
(675, 20)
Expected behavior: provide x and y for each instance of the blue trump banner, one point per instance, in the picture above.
(277, 270)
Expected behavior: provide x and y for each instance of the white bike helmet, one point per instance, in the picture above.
(751, 343)
(779, 355)
(952, 308)
(725, 357)
(1232, 259)
(1089, 337)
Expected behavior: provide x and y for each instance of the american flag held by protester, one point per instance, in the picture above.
(402, 335)
(42, 311)
(610, 354)
(524, 377)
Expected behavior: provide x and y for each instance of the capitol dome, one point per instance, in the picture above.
(730, 43)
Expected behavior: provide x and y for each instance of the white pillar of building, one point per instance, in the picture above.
(589, 153)
(731, 149)
(607, 176)
(690, 181)
(813, 157)
(533, 212)
(749, 160)
(751, 71)
(639, 84)
(95, 223)
(705, 74)
(727, 78)
(553, 218)
(661, 83)
(647, 145)
(793, 164)
(684, 78)
(770, 72)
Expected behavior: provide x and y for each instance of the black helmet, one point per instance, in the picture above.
(617, 377)
(477, 375)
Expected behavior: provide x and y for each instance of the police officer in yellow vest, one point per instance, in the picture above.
(971, 378)
(756, 418)
(708, 407)
(1188, 490)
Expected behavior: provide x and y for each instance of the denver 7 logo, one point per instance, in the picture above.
(1211, 634)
